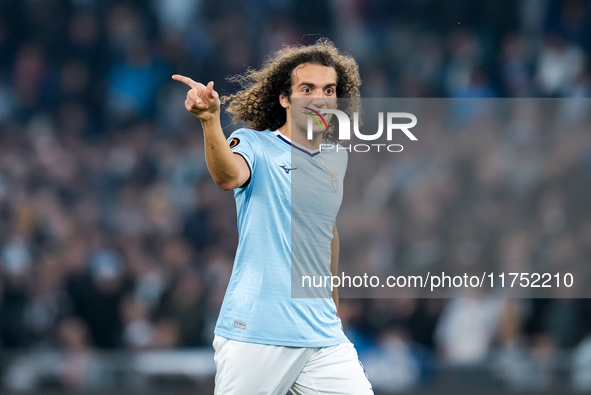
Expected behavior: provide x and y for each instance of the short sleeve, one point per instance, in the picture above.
(242, 142)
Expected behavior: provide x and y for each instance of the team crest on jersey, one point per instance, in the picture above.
(234, 142)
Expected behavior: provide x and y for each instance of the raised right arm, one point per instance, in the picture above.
(227, 169)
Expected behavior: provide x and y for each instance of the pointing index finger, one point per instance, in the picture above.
(185, 80)
(209, 89)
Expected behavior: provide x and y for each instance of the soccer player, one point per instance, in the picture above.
(266, 341)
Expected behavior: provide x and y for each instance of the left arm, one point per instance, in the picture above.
(334, 263)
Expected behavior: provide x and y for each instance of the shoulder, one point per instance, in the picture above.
(342, 155)
(251, 133)
(243, 132)
(341, 151)
(249, 136)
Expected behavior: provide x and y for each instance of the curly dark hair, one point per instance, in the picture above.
(257, 104)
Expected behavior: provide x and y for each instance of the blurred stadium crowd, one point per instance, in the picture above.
(113, 236)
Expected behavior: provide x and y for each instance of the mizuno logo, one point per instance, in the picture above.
(287, 169)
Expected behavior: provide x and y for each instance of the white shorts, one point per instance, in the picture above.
(248, 368)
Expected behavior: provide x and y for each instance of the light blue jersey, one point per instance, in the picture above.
(258, 306)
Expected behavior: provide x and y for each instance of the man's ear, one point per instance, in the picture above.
(284, 100)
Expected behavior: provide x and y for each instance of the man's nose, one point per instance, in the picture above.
(319, 102)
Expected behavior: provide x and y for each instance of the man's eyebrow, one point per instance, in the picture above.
(312, 84)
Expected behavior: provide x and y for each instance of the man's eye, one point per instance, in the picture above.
(329, 91)
(306, 90)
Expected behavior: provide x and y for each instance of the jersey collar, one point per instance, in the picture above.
(295, 145)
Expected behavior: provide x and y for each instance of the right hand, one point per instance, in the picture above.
(201, 100)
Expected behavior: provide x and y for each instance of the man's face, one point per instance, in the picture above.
(313, 86)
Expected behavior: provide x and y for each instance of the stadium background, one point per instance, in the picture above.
(116, 247)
